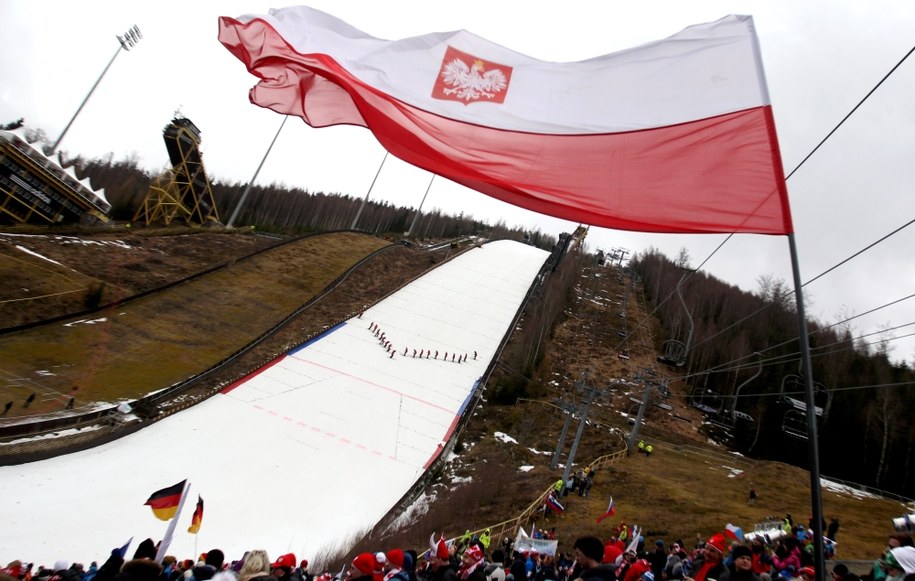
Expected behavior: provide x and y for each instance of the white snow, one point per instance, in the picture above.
(317, 445)
(33, 253)
(845, 489)
(503, 437)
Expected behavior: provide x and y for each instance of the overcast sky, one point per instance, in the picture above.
(821, 59)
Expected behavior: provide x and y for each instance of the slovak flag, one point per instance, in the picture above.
(611, 510)
(676, 135)
(553, 503)
(733, 532)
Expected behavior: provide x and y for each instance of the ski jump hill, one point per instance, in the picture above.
(307, 452)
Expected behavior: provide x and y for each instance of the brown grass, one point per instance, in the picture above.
(156, 341)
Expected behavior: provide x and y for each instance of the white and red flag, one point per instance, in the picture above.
(675, 135)
(611, 510)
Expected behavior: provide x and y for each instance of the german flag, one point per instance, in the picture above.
(164, 503)
(197, 518)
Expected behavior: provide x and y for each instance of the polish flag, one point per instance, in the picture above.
(675, 135)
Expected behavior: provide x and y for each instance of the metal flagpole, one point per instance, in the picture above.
(170, 531)
(816, 499)
(244, 194)
(420, 209)
(359, 213)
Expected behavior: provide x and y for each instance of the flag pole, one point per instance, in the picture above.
(420, 209)
(170, 531)
(359, 213)
(816, 499)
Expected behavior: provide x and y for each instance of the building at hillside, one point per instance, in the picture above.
(35, 189)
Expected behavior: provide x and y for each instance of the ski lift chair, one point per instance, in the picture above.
(794, 424)
(674, 351)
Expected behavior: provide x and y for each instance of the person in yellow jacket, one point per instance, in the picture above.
(486, 538)
(558, 486)
(648, 449)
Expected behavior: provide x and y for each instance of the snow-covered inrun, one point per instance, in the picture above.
(314, 447)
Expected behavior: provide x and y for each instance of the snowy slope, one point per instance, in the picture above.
(316, 446)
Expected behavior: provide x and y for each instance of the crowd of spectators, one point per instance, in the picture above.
(476, 558)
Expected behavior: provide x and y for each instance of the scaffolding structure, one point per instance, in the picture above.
(36, 189)
(186, 194)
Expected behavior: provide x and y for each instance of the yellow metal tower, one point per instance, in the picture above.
(187, 194)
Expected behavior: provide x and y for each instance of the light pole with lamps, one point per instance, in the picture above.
(128, 41)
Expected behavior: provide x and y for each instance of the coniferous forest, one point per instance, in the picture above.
(862, 396)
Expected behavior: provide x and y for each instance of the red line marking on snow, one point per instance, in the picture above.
(378, 385)
(248, 377)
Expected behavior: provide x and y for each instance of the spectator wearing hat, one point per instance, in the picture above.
(256, 567)
(362, 568)
(742, 568)
(302, 571)
(807, 574)
(894, 540)
(710, 563)
(658, 559)
(472, 568)
(440, 566)
(64, 572)
(589, 552)
(900, 563)
(394, 565)
(284, 567)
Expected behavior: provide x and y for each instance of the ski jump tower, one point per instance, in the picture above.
(187, 194)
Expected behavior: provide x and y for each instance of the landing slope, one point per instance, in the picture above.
(314, 447)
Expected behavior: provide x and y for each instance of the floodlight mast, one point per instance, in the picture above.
(127, 41)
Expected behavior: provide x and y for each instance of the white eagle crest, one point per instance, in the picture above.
(472, 82)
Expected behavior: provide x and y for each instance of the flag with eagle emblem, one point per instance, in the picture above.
(675, 135)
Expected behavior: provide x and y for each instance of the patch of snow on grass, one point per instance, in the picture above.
(87, 322)
(33, 253)
(505, 438)
(845, 489)
(526, 468)
(419, 507)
